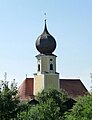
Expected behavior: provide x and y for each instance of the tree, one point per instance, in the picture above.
(82, 110)
(51, 106)
(8, 102)
(48, 110)
(58, 97)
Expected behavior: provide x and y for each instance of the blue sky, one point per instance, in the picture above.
(69, 21)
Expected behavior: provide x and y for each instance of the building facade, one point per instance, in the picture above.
(46, 76)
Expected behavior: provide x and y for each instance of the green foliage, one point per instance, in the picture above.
(8, 102)
(50, 106)
(58, 97)
(45, 111)
(82, 110)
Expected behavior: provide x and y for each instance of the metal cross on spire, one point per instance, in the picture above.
(45, 17)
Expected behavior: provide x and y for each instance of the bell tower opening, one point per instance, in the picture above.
(38, 67)
(51, 66)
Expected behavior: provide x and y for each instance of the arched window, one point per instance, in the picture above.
(51, 66)
(38, 67)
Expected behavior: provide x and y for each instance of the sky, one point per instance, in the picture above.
(70, 23)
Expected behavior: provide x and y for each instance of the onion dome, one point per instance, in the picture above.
(45, 43)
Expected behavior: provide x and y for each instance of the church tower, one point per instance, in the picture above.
(46, 76)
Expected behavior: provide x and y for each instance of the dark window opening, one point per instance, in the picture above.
(51, 66)
(38, 67)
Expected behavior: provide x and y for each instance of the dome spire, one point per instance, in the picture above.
(45, 27)
(45, 43)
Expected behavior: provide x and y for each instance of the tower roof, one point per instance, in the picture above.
(73, 87)
(45, 43)
(26, 89)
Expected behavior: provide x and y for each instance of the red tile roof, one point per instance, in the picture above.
(74, 87)
(25, 90)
